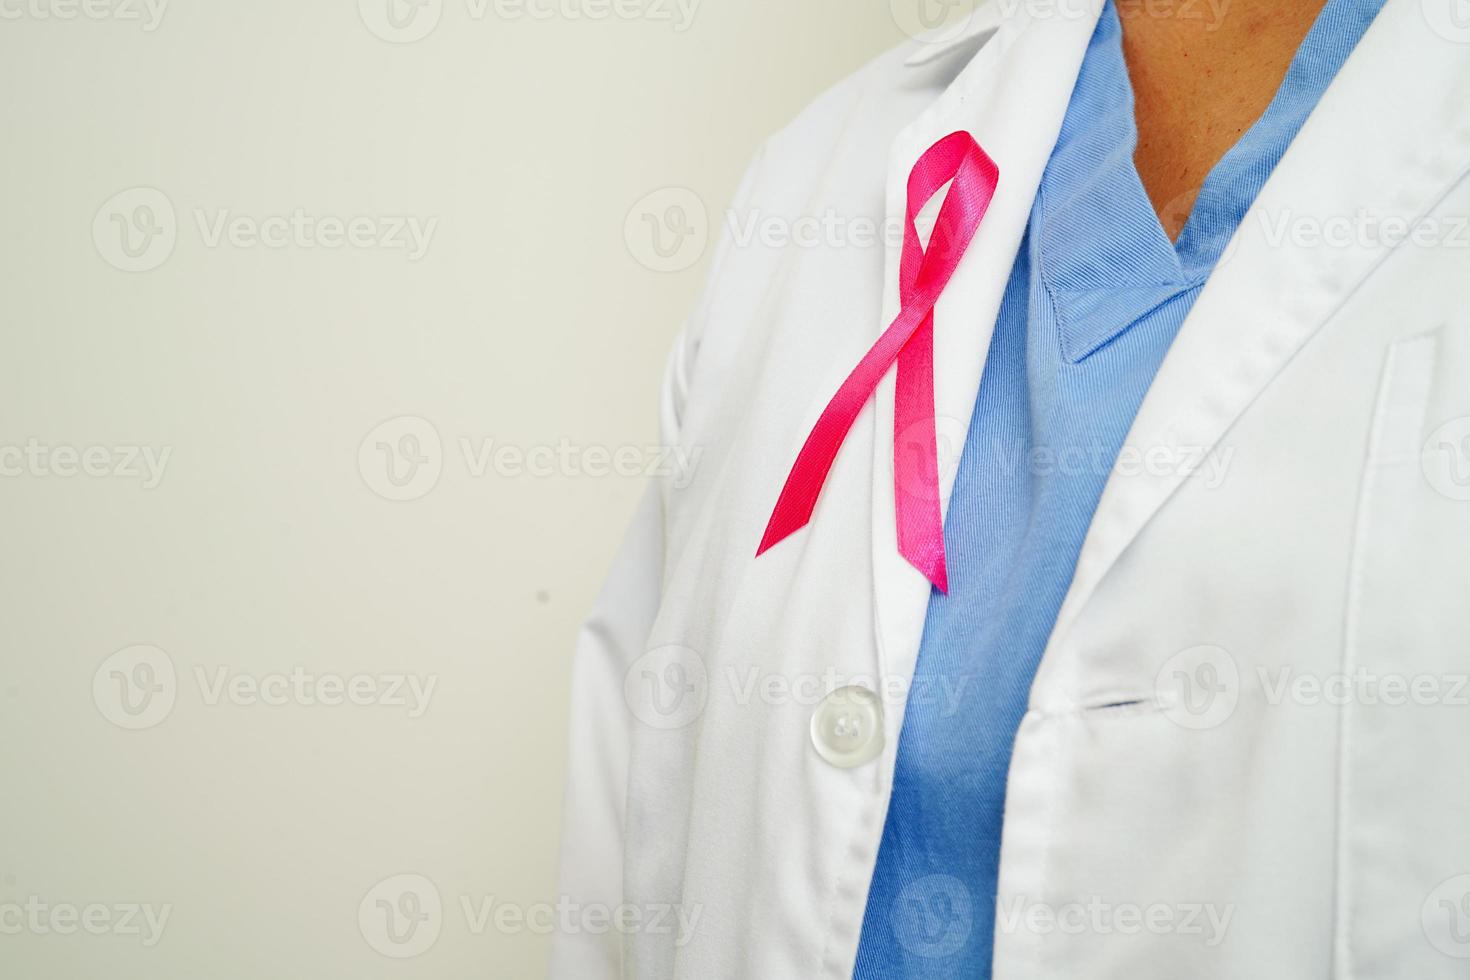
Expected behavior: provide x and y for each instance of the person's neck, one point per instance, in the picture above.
(1202, 75)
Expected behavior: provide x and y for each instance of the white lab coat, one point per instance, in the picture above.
(1173, 761)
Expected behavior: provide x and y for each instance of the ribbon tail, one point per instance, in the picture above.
(916, 490)
(804, 483)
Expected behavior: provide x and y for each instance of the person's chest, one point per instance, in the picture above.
(1294, 508)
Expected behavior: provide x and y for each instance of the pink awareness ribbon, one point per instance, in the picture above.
(923, 273)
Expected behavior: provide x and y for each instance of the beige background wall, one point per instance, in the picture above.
(218, 332)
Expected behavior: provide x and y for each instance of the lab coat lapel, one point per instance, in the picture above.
(1011, 97)
(1387, 140)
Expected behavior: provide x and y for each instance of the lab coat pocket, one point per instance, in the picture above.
(1403, 908)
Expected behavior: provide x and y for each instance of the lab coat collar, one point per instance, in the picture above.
(1011, 97)
(971, 32)
(1387, 140)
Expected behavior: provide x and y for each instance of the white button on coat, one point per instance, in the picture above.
(847, 727)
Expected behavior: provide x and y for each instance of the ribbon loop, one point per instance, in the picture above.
(956, 160)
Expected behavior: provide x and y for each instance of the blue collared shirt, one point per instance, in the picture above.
(1097, 295)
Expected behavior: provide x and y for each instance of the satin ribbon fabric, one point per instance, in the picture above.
(972, 176)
